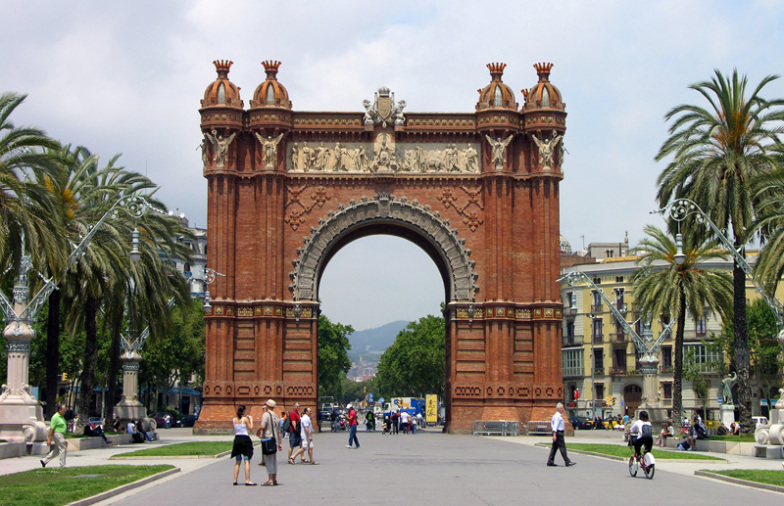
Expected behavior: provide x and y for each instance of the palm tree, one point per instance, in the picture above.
(20, 150)
(715, 152)
(769, 189)
(663, 287)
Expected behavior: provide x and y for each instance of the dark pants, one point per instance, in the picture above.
(558, 444)
(352, 436)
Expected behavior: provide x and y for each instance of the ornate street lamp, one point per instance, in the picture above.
(21, 417)
(679, 210)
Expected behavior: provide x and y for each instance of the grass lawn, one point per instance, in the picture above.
(749, 438)
(200, 448)
(62, 486)
(771, 477)
(626, 452)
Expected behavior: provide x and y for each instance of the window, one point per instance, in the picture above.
(608, 253)
(597, 298)
(572, 363)
(619, 296)
(597, 281)
(666, 356)
(599, 392)
(666, 390)
(221, 94)
(619, 359)
(571, 299)
(619, 279)
(638, 327)
(545, 97)
(598, 360)
(270, 94)
(597, 328)
(570, 330)
(700, 327)
(702, 356)
(498, 100)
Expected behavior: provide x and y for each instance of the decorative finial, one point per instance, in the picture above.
(222, 66)
(543, 70)
(271, 68)
(496, 70)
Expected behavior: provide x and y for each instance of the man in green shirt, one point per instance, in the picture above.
(57, 433)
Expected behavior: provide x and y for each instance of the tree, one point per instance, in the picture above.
(663, 287)
(715, 153)
(766, 365)
(415, 363)
(176, 356)
(333, 361)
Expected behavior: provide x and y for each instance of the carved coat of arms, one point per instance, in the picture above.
(383, 109)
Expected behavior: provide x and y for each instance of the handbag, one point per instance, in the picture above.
(268, 444)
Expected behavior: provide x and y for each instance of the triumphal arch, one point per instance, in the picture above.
(478, 191)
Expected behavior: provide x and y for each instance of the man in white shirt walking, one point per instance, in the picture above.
(557, 425)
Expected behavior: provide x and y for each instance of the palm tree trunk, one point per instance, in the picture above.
(677, 376)
(741, 346)
(87, 379)
(52, 353)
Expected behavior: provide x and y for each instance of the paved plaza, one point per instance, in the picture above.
(428, 467)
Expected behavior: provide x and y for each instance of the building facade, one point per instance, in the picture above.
(601, 369)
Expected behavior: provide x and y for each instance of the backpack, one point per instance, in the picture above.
(647, 431)
(287, 425)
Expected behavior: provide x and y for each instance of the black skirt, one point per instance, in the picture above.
(242, 446)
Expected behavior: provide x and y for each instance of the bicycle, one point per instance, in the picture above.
(646, 461)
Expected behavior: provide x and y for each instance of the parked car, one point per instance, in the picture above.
(759, 421)
(581, 423)
(186, 421)
(163, 420)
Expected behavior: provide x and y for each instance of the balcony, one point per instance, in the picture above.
(597, 309)
(572, 372)
(618, 337)
(621, 307)
(572, 341)
(597, 338)
(618, 371)
(598, 371)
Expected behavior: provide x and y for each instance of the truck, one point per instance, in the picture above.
(411, 405)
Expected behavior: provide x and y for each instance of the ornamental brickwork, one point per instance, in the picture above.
(479, 192)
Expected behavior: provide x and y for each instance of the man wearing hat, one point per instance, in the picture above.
(352, 427)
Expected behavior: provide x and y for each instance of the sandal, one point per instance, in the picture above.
(305, 461)
(267, 484)
(251, 484)
(314, 463)
(291, 461)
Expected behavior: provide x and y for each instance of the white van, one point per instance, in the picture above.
(760, 421)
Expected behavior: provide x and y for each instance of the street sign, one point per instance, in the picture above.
(380, 399)
(370, 397)
(720, 400)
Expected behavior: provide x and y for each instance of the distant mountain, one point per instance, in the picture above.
(374, 341)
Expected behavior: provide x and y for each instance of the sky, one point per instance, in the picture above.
(127, 77)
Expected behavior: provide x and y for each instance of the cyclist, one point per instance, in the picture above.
(643, 429)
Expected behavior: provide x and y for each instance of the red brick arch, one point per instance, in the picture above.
(288, 189)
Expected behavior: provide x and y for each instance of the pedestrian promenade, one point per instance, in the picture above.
(429, 466)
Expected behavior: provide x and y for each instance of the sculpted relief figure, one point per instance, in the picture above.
(499, 150)
(270, 146)
(384, 157)
(400, 119)
(370, 112)
(204, 158)
(546, 149)
(220, 145)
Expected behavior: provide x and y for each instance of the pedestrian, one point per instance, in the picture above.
(306, 434)
(404, 420)
(270, 427)
(352, 427)
(243, 446)
(57, 429)
(295, 441)
(131, 429)
(395, 417)
(284, 424)
(557, 425)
